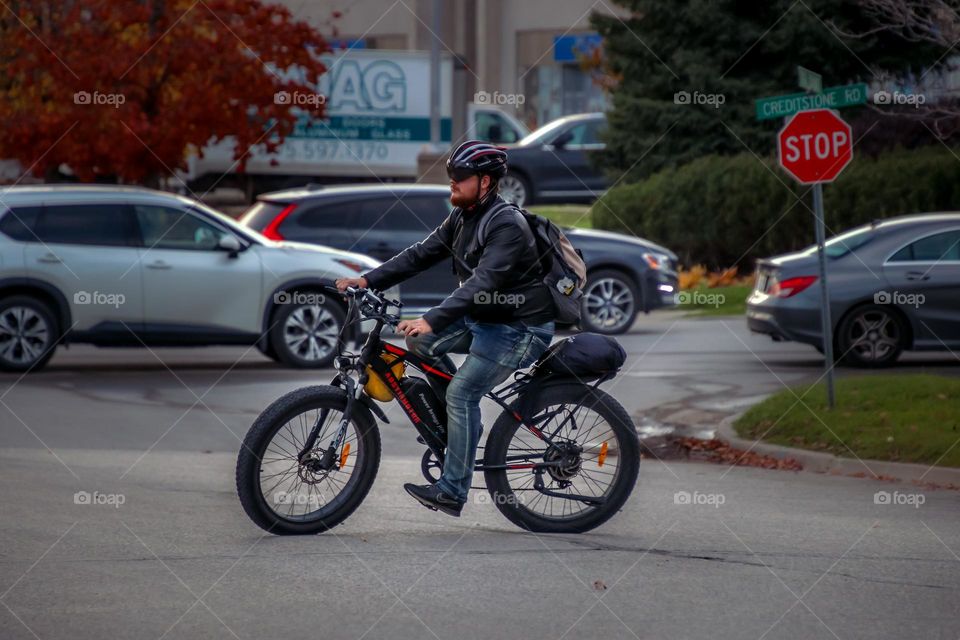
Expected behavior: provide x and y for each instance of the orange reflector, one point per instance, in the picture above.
(603, 455)
(344, 454)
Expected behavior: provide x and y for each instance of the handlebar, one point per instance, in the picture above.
(373, 305)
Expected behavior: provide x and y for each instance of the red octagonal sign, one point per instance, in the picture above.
(815, 146)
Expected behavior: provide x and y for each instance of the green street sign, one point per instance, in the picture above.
(809, 80)
(831, 98)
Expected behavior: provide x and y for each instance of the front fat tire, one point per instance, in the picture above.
(260, 435)
(502, 433)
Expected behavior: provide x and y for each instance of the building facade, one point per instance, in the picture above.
(523, 55)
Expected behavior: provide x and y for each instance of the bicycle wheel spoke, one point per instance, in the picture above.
(577, 435)
(303, 492)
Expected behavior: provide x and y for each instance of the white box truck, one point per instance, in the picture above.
(377, 121)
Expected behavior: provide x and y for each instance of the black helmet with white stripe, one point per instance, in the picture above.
(477, 157)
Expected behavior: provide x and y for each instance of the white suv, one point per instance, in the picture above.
(125, 266)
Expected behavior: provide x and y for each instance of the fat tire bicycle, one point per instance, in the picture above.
(562, 457)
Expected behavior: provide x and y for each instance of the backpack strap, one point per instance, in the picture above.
(484, 223)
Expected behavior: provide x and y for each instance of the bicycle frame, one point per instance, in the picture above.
(374, 347)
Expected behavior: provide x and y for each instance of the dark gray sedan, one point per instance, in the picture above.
(626, 275)
(553, 163)
(894, 286)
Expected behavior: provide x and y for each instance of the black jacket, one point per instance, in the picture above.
(499, 281)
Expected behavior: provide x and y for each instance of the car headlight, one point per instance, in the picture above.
(353, 265)
(656, 260)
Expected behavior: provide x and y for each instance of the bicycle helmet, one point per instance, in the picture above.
(477, 157)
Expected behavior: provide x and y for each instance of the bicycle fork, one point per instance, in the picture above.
(330, 458)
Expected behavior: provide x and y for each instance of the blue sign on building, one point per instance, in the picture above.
(340, 43)
(566, 48)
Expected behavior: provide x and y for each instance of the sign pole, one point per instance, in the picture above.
(814, 147)
(825, 324)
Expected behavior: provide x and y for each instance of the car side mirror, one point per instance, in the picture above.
(230, 244)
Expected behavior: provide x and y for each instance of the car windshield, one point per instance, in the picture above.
(839, 246)
(544, 132)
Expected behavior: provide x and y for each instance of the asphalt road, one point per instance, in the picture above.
(758, 554)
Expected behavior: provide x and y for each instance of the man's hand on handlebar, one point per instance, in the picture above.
(414, 327)
(343, 283)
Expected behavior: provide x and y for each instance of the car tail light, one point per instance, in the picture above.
(272, 230)
(789, 287)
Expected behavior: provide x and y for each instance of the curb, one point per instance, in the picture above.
(817, 462)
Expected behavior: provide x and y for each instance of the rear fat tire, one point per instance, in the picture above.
(502, 434)
(262, 432)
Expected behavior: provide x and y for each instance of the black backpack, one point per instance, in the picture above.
(561, 265)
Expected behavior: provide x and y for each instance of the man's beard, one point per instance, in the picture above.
(465, 202)
(460, 200)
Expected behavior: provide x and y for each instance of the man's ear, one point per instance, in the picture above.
(485, 182)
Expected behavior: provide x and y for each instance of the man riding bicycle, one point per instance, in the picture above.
(501, 315)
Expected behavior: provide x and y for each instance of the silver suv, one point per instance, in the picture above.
(125, 266)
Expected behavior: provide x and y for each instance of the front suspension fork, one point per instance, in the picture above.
(329, 459)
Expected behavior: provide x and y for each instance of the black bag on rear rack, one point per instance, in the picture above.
(585, 356)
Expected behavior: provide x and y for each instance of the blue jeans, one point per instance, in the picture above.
(494, 352)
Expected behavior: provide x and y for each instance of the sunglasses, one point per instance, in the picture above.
(459, 174)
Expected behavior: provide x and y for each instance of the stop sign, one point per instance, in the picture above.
(815, 146)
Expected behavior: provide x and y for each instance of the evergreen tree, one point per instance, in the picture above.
(733, 51)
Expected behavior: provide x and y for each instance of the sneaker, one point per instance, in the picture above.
(430, 496)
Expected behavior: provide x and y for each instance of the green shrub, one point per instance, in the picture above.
(730, 210)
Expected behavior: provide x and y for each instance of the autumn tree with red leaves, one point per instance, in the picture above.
(125, 89)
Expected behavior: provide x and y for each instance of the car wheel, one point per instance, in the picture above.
(28, 334)
(610, 302)
(871, 336)
(514, 188)
(305, 335)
